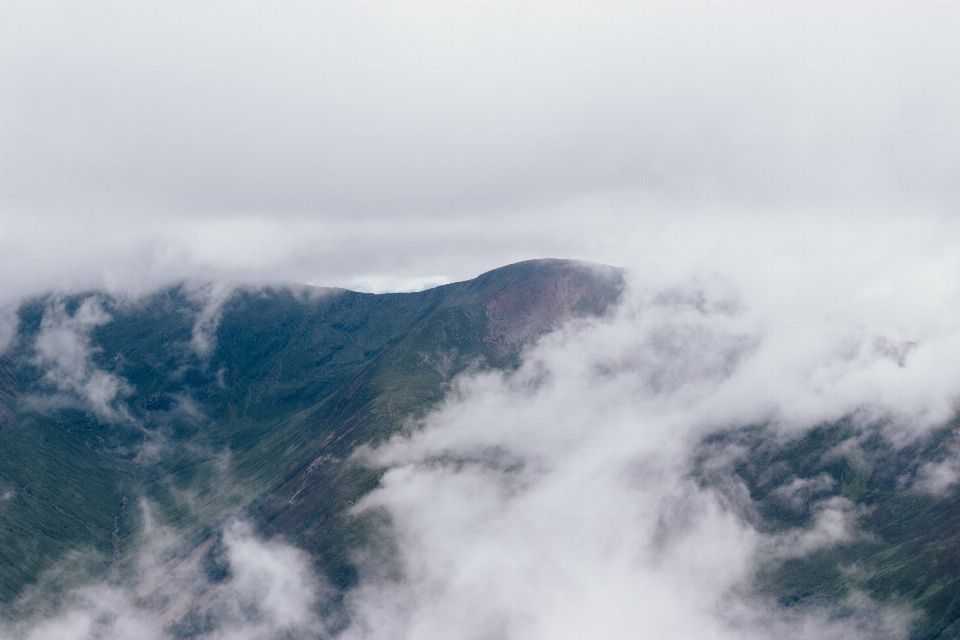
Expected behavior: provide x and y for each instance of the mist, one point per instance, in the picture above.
(562, 499)
(267, 592)
(779, 179)
(373, 145)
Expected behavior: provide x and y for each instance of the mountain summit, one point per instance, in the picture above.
(136, 436)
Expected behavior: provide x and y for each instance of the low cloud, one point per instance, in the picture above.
(835, 522)
(63, 351)
(558, 501)
(383, 283)
(940, 477)
(781, 179)
(561, 500)
(8, 326)
(797, 495)
(212, 297)
(234, 586)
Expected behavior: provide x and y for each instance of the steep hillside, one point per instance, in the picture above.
(206, 401)
(201, 403)
(899, 505)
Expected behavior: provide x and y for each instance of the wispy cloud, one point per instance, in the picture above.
(233, 586)
(212, 297)
(63, 351)
(558, 501)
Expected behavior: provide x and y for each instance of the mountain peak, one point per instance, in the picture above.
(285, 388)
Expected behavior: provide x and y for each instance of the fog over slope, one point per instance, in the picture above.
(778, 178)
(560, 500)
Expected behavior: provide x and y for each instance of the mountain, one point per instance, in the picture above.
(208, 401)
(906, 549)
(199, 403)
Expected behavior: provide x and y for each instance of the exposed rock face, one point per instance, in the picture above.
(555, 291)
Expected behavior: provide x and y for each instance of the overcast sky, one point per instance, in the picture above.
(394, 144)
(800, 159)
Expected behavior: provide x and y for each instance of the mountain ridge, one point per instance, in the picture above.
(292, 376)
(249, 403)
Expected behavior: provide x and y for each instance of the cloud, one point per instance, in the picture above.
(325, 142)
(558, 500)
(234, 586)
(940, 477)
(63, 351)
(204, 334)
(834, 523)
(382, 283)
(8, 327)
(797, 495)
(779, 177)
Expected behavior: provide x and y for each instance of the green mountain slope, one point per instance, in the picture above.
(258, 415)
(207, 404)
(906, 548)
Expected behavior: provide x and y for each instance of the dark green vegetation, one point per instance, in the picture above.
(261, 423)
(260, 415)
(906, 552)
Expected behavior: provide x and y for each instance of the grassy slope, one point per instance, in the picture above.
(296, 381)
(909, 553)
(293, 377)
(310, 504)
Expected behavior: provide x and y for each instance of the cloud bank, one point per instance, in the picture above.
(339, 143)
(559, 501)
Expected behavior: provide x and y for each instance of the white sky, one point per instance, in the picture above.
(389, 145)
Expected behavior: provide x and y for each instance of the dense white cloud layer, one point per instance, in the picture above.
(557, 501)
(354, 142)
